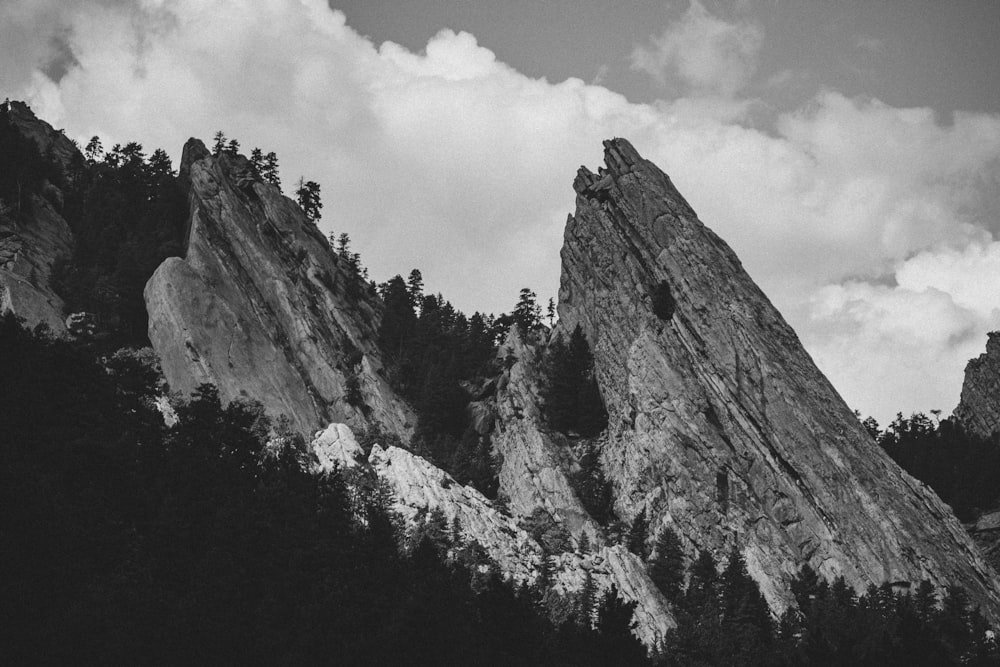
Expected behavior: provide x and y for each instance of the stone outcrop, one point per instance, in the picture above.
(979, 408)
(617, 566)
(720, 423)
(419, 488)
(32, 239)
(535, 460)
(261, 307)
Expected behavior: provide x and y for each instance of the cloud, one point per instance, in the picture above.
(707, 54)
(903, 347)
(451, 161)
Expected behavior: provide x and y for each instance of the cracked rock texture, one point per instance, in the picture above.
(535, 460)
(418, 486)
(720, 422)
(262, 308)
(30, 242)
(979, 408)
(617, 566)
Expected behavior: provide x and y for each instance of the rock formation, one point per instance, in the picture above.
(535, 460)
(720, 423)
(979, 408)
(33, 238)
(419, 488)
(261, 307)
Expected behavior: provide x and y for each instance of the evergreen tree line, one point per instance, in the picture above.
(962, 468)
(123, 541)
(722, 619)
(437, 355)
(127, 213)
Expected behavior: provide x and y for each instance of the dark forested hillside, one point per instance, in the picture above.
(124, 541)
(962, 468)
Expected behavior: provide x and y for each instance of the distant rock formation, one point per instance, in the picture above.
(721, 425)
(979, 408)
(32, 239)
(420, 487)
(261, 307)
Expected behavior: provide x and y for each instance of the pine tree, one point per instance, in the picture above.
(572, 398)
(220, 143)
(667, 567)
(233, 147)
(637, 534)
(747, 632)
(308, 197)
(257, 161)
(415, 287)
(586, 601)
(527, 313)
(583, 545)
(269, 172)
(615, 623)
(94, 151)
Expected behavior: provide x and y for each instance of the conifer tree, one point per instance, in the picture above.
(307, 195)
(269, 172)
(667, 567)
(527, 313)
(584, 543)
(219, 144)
(415, 287)
(257, 161)
(637, 534)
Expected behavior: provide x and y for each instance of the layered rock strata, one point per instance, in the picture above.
(721, 424)
(261, 307)
(979, 408)
(419, 488)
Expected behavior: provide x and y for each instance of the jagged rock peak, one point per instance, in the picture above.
(979, 408)
(261, 307)
(720, 423)
(194, 150)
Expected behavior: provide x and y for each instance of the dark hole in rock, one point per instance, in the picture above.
(664, 303)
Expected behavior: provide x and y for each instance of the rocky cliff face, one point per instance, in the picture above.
(979, 408)
(721, 424)
(31, 239)
(535, 460)
(261, 307)
(419, 487)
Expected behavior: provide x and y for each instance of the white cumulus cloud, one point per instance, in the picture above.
(706, 53)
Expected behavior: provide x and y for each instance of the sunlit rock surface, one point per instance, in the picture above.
(262, 308)
(419, 488)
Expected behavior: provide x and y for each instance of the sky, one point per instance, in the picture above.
(849, 152)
